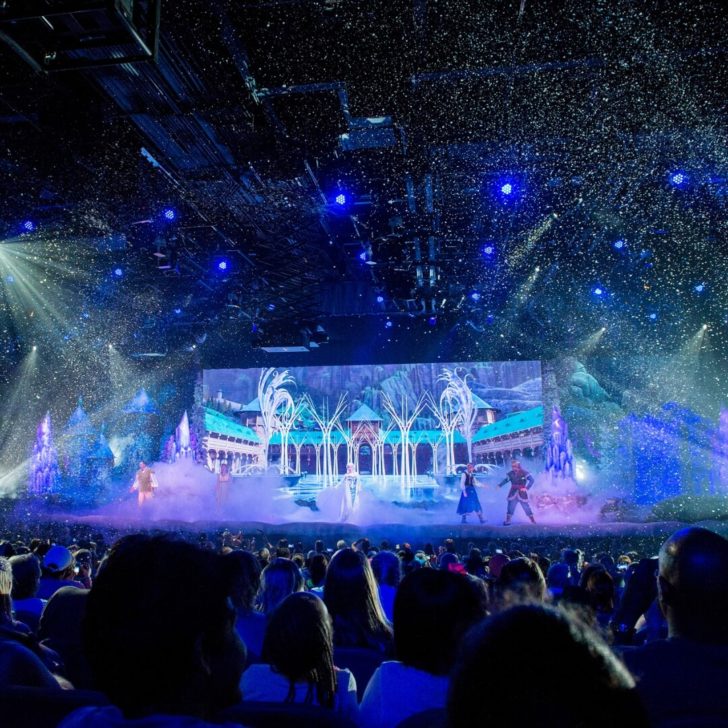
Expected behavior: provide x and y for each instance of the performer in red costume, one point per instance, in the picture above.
(521, 482)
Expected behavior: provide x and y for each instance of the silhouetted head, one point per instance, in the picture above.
(279, 579)
(351, 595)
(244, 573)
(432, 611)
(159, 629)
(534, 665)
(521, 580)
(693, 585)
(385, 566)
(26, 576)
(299, 645)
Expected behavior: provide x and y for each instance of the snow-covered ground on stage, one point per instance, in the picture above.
(186, 493)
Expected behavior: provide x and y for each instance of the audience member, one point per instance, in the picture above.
(520, 580)
(58, 571)
(244, 574)
(298, 652)
(159, 634)
(682, 678)
(279, 579)
(352, 598)
(534, 665)
(26, 579)
(432, 611)
(386, 569)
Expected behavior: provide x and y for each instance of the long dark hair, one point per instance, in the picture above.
(298, 644)
(243, 570)
(351, 595)
(279, 579)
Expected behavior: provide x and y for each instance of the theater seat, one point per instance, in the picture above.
(280, 715)
(362, 662)
(24, 707)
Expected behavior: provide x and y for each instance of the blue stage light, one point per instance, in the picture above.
(507, 188)
(271, 307)
(653, 316)
(489, 249)
(475, 296)
(388, 324)
(28, 226)
(598, 291)
(700, 288)
(678, 178)
(619, 244)
(178, 311)
(363, 255)
(10, 279)
(432, 321)
(169, 214)
(380, 299)
(118, 272)
(222, 265)
(340, 199)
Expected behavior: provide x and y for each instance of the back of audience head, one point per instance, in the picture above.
(521, 580)
(693, 585)
(244, 574)
(540, 668)
(58, 563)
(279, 579)
(298, 644)
(26, 576)
(352, 598)
(159, 629)
(317, 569)
(432, 611)
(385, 566)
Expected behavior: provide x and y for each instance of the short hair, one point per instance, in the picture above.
(386, 568)
(26, 576)
(563, 654)
(298, 644)
(427, 598)
(279, 579)
(159, 629)
(244, 573)
(521, 580)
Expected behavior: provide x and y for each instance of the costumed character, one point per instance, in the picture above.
(145, 483)
(222, 487)
(469, 501)
(521, 482)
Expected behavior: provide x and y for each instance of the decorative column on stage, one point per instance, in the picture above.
(559, 453)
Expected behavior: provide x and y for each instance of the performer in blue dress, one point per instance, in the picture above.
(521, 482)
(469, 501)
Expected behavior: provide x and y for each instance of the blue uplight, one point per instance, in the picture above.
(340, 199)
(222, 265)
(489, 249)
(507, 188)
(653, 317)
(700, 288)
(619, 244)
(598, 291)
(380, 299)
(475, 296)
(363, 255)
(28, 226)
(118, 272)
(432, 321)
(388, 324)
(678, 178)
(178, 311)
(169, 214)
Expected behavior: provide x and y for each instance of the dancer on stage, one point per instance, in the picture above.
(223, 485)
(469, 501)
(350, 488)
(145, 483)
(521, 482)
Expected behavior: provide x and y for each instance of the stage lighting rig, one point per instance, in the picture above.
(67, 35)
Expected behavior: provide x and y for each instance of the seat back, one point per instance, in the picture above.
(361, 661)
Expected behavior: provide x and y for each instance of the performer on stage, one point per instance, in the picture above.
(145, 483)
(469, 501)
(350, 492)
(521, 482)
(223, 485)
